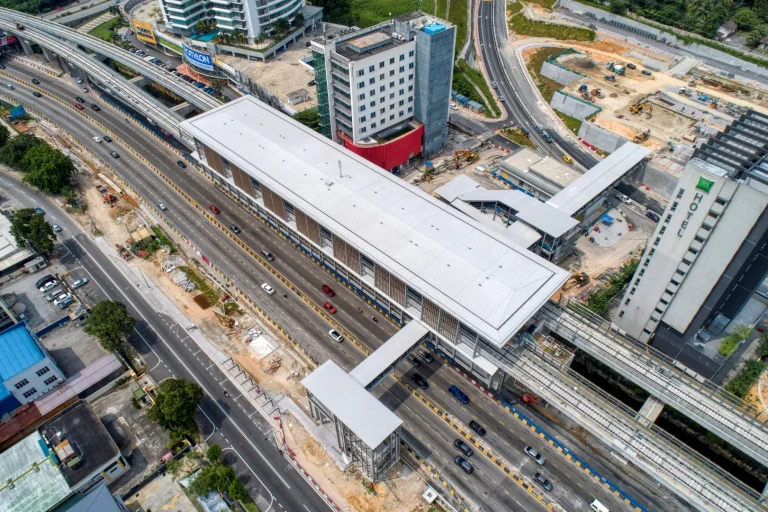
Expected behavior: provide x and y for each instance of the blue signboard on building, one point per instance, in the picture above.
(198, 59)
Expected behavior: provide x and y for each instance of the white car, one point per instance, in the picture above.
(57, 228)
(454, 107)
(97, 139)
(338, 338)
(80, 282)
(48, 286)
(62, 299)
(625, 199)
(268, 289)
(162, 206)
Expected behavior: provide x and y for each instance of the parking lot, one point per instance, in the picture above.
(39, 312)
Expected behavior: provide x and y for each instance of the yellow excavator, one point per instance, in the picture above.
(468, 156)
(636, 108)
(642, 137)
(579, 279)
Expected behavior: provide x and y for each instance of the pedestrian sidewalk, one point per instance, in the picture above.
(95, 22)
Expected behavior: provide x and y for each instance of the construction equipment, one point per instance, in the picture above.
(610, 78)
(583, 88)
(596, 92)
(636, 108)
(468, 156)
(649, 111)
(273, 364)
(225, 321)
(124, 253)
(585, 95)
(109, 199)
(616, 68)
(642, 137)
(19, 26)
(579, 279)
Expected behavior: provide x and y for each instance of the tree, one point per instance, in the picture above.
(27, 225)
(175, 405)
(220, 478)
(13, 151)
(110, 322)
(280, 28)
(746, 18)
(173, 467)
(4, 135)
(309, 118)
(754, 38)
(298, 20)
(213, 453)
(236, 490)
(618, 7)
(47, 168)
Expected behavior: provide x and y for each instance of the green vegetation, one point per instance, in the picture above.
(457, 14)
(174, 408)
(309, 118)
(106, 30)
(546, 86)
(546, 4)
(213, 453)
(572, 123)
(600, 300)
(476, 78)
(14, 149)
(744, 380)
(211, 295)
(28, 225)
(220, 478)
(516, 136)
(45, 168)
(731, 342)
(521, 25)
(169, 45)
(110, 323)
(163, 238)
(442, 9)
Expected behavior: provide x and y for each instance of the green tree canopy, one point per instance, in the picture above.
(280, 28)
(14, 150)
(220, 478)
(175, 404)
(746, 18)
(213, 453)
(309, 118)
(32, 226)
(4, 135)
(47, 168)
(110, 322)
(753, 38)
(618, 7)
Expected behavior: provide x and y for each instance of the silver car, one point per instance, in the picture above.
(80, 282)
(54, 295)
(536, 456)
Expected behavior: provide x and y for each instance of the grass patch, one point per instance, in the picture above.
(160, 234)
(572, 123)
(457, 14)
(599, 301)
(170, 45)
(442, 9)
(476, 78)
(516, 136)
(546, 4)
(106, 29)
(744, 380)
(210, 294)
(365, 13)
(231, 308)
(249, 505)
(523, 26)
(546, 86)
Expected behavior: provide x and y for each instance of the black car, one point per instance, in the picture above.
(36, 94)
(542, 481)
(420, 381)
(40, 282)
(107, 138)
(478, 428)
(234, 228)
(463, 447)
(2, 66)
(411, 359)
(79, 99)
(426, 356)
(463, 464)
(181, 164)
(95, 107)
(36, 81)
(114, 154)
(653, 216)
(631, 66)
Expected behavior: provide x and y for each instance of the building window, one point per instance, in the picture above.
(290, 214)
(659, 311)
(410, 66)
(392, 116)
(402, 91)
(626, 302)
(678, 271)
(699, 239)
(410, 53)
(227, 168)
(402, 80)
(371, 68)
(706, 227)
(654, 319)
(713, 215)
(651, 252)
(382, 111)
(401, 103)
(669, 217)
(400, 114)
(373, 115)
(646, 331)
(686, 261)
(646, 262)
(362, 108)
(662, 230)
(373, 125)
(632, 291)
(382, 88)
(373, 103)
(362, 119)
(360, 85)
(663, 301)
(392, 72)
(410, 109)
(392, 60)
(410, 88)
(372, 93)
(363, 129)
(402, 57)
(642, 272)
(721, 201)
(693, 251)
(391, 84)
(402, 68)
(42, 371)
(21, 383)
(371, 81)
(637, 281)
(674, 206)
(392, 95)
(50, 380)
(30, 393)
(255, 188)
(680, 193)
(675, 282)
(381, 65)
(326, 237)
(361, 72)
(362, 96)
(658, 239)
(392, 107)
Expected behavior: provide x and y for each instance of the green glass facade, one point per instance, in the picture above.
(322, 94)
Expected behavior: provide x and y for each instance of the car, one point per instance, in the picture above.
(426, 356)
(79, 99)
(268, 255)
(61, 299)
(199, 85)
(95, 107)
(536, 456)
(525, 131)
(107, 138)
(567, 159)
(80, 282)
(55, 295)
(40, 282)
(50, 285)
(542, 481)
(64, 304)
(208, 90)
(463, 464)
(97, 139)
(646, 72)
(268, 289)
(36, 94)
(162, 207)
(215, 210)
(338, 338)
(463, 447)
(80, 80)
(477, 428)
(539, 129)
(10, 86)
(653, 216)
(501, 99)
(547, 137)
(631, 66)
(57, 228)
(234, 229)
(454, 106)
(39, 211)
(181, 164)
(420, 381)
(312, 83)
(458, 394)
(329, 307)
(114, 154)
(36, 81)
(413, 360)
(625, 199)
(2, 66)
(327, 290)
(78, 106)
(494, 85)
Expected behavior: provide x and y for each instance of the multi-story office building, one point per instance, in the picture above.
(249, 17)
(408, 253)
(384, 91)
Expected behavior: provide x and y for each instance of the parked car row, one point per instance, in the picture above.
(60, 295)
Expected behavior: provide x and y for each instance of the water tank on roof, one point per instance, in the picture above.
(434, 28)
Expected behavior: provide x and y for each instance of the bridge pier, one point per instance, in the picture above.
(139, 81)
(183, 108)
(650, 411)
(26, 46)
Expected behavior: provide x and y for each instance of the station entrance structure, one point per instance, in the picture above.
(366, 431)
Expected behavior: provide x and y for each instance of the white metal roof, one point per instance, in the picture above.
(576, 195)
(392, 349)
(368, 418)
(491, 284)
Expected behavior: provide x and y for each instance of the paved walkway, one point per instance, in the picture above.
(95, 22)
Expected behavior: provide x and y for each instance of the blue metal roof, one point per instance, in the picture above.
(18, 351)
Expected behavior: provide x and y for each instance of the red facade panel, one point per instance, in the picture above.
(389, 155)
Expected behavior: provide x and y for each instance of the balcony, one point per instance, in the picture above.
(341, 87)
(341, 108)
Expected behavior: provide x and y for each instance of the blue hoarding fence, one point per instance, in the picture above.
(199, 59)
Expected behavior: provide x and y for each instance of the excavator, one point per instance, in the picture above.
(579, 279)
(636, 108)
(642, 137)
(468, 156)
(649, 111)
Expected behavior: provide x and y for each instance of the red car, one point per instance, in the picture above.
(329, 308)
(78, 106)
(328, 290)
(214, 209)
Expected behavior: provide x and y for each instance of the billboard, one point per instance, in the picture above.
(144, 32)
(198, 59)
(7, 40)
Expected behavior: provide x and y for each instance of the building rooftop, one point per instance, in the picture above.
(10, 252)
(38, 485)
(370, 42)
(488, 282)
(80, 442)
(18, 351)
(360, 411)
(556, 172)
(590, 184)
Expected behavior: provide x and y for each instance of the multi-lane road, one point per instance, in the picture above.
(488, 488)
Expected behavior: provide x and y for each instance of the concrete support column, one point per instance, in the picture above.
(26, 46)
(51, 57)
(650, 411)
(139, 81)
(183, 108)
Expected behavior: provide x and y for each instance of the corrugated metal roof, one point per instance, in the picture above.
(18, 351)
(361, 198)
(394, 348)
(368, 418)
(590, 184)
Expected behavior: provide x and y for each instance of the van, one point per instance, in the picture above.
(596, 506)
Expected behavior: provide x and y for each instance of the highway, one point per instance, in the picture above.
(506, 437)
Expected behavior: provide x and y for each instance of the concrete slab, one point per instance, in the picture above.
(72, 348)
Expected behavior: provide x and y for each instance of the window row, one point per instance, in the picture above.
(372, 68)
